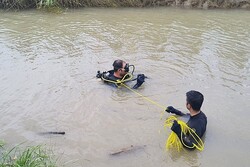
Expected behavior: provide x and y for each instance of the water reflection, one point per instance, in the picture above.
(190, 157)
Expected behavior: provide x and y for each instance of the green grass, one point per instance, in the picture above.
(32, 156)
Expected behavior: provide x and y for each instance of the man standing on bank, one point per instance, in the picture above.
(197, 120)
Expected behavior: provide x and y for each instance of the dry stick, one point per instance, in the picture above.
(57, 133)
(127, 149)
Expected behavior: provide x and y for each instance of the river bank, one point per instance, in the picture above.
(200, 4)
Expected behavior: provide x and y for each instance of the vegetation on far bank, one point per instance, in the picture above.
(206, 4)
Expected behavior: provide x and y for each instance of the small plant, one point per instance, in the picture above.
(46, 3)
(1, 143)
(33, 156)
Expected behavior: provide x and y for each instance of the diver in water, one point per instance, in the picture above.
(197, 119)
(120, 74)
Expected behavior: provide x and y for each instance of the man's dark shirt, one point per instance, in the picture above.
(198, 123)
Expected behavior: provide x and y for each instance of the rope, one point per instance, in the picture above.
(123, 80)
(146, 98)
(119, 81)
(175, 142)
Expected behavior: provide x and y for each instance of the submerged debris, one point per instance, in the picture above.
(127, 149)
(57, 133)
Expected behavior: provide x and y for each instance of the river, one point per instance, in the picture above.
(48, 64)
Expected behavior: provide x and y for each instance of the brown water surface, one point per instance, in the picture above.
(48, 64)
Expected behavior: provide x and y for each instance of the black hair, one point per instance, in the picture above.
(117, 64)
(195, 99)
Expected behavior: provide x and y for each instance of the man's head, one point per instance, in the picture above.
(194, 100)
(120, 67)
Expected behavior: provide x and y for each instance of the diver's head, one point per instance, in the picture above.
(194, 100)
(121, 68)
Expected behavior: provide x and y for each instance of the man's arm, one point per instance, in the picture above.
(171, 109)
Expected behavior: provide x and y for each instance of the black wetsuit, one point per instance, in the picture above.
(110, 76)
(198, 123)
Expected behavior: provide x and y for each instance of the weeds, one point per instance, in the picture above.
(33, 156)
(1, 143)
(23, 4)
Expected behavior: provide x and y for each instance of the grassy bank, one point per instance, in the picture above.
(205, 4)
(34, 156)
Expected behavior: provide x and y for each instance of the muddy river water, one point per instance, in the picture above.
(48, 64)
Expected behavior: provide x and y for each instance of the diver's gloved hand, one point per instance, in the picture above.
(176, 128)
(171, 109)
(140, 79)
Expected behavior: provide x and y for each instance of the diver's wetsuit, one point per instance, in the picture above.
(110, 76)
(198, 123)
